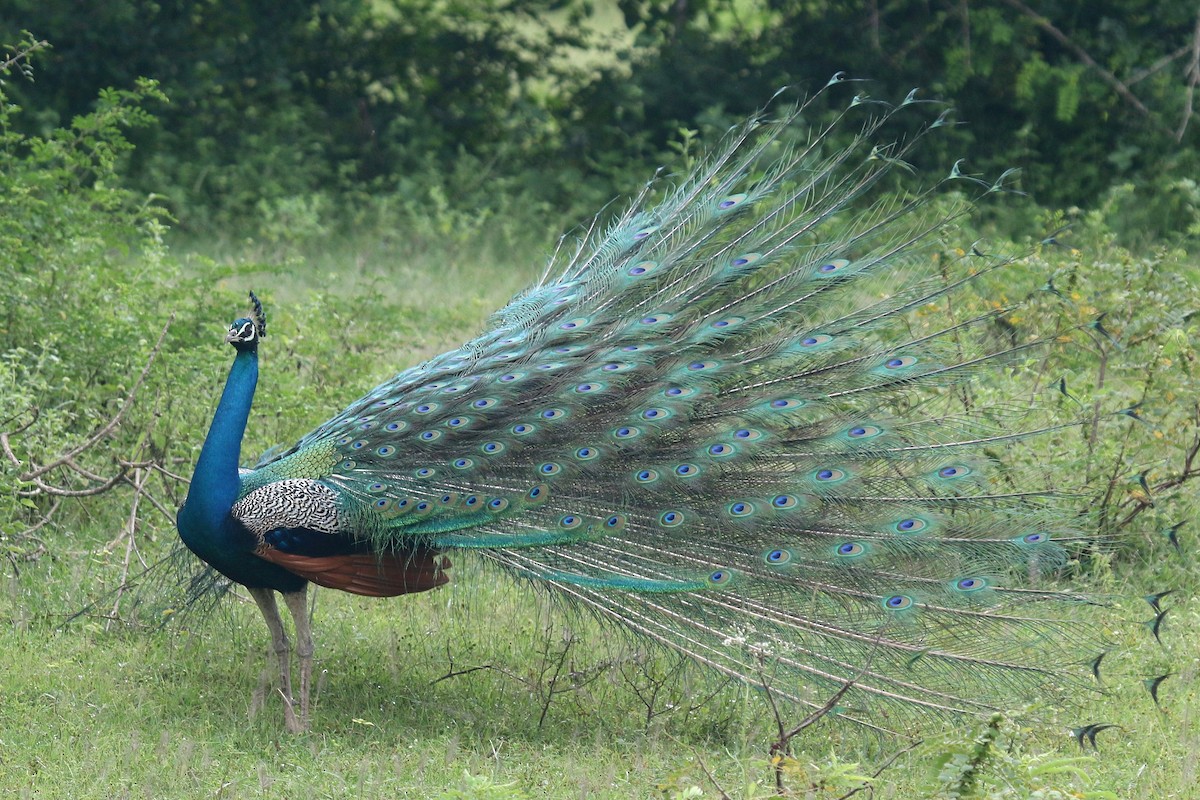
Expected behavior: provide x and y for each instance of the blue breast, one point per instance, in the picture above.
(226, 545)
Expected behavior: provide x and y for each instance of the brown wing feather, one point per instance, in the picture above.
(367, 574)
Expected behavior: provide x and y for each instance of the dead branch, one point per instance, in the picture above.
(58, 491)
(724, 795)
(68, 461)
(913, 745)
(140, 489)
(1112, 80)
(1159, 66)
(139, 482)
(32, 529)
(1188, 470)
(163, 470)
(1193, 78)
(781, 746)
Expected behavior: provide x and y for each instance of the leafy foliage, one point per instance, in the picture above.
(81, 257)
(1038, 91)
(332, 106)
(995, 766)
(276, 100)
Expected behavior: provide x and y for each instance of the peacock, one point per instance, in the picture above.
(734, 420)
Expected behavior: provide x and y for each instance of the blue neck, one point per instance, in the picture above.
(215, 482)
(205, 522)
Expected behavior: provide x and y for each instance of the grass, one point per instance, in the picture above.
(151, 716)
(92, 714)
(482, 689)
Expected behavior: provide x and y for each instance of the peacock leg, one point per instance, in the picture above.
(265, 598)
(297, 603)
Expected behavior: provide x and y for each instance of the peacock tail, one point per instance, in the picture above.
(735, 422)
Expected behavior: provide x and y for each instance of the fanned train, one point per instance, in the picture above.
(733, 421)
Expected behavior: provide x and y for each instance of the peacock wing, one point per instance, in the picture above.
(313, 530)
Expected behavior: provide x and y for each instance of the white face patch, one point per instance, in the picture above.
(290, 503)
(246, 332)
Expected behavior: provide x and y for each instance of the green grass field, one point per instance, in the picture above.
(481, 690)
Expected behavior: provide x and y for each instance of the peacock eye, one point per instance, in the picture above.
(910, 525)
(732, 201)
(741, 508)
(778, 556)
(720, 577)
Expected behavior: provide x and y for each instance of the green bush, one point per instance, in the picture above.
(287, 99)
(86, 276)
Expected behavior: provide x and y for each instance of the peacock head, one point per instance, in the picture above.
(244, 333)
